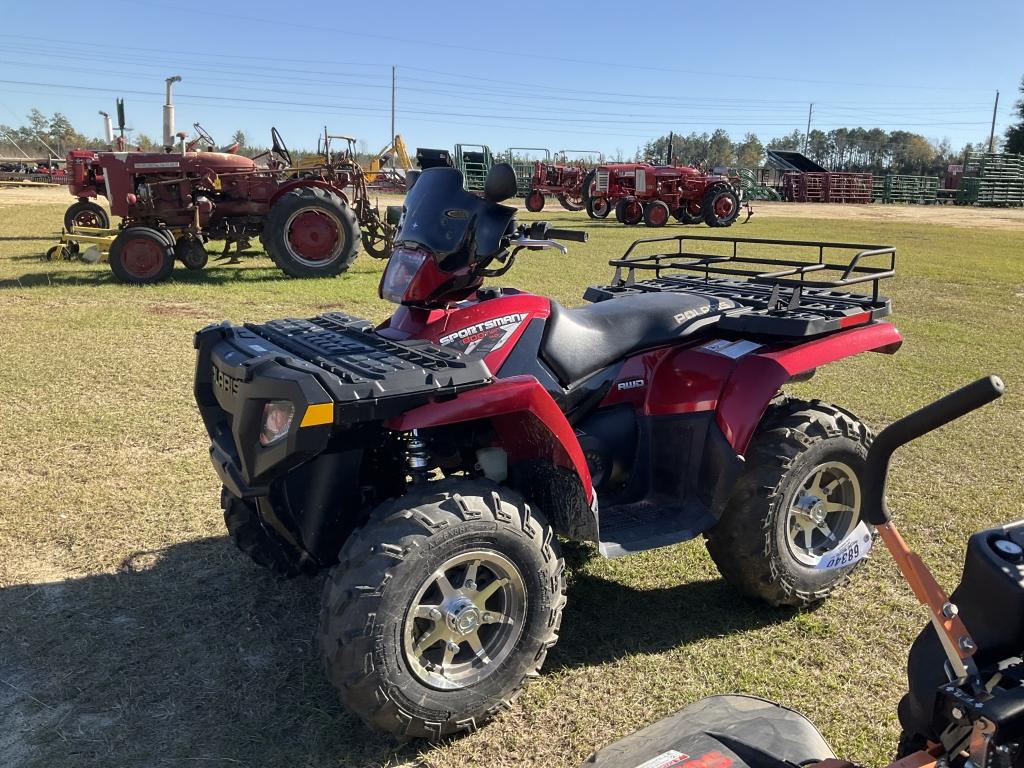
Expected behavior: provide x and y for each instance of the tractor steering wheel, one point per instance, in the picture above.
(279, 147)
(201, 136)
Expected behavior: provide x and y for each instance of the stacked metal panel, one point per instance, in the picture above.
(900, 188)
(992, 179)
(830, 187)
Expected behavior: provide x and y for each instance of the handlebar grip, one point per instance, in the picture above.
(911, 427)
(575, 235)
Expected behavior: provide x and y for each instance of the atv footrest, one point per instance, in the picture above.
(642, 525)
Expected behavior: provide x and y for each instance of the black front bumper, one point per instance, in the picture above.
(333, 364)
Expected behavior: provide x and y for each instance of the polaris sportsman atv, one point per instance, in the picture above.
(429, 462)
(965, 704)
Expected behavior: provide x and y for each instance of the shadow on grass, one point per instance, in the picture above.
(193, 653)
(213, 275)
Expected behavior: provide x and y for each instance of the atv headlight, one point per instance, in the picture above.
(277, 420)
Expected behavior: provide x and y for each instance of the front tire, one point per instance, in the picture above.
(629, 211)
(86, 213)
(311, 232)
(798, 497)
(598, 207)
(535, 201)
(263, 545)
(442, 606)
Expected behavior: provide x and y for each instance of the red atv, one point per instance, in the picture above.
(641, 192)
(431, 462)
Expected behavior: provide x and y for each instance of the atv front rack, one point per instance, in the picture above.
(802, 288)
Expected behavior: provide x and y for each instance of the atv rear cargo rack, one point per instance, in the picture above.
(804, 292)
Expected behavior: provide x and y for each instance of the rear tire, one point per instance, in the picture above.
(656, 214)
(311, 232)
(721, 205)
(141, 255)
(384, 602)
(598, 207)
(535, 201)
(756, 543)
(86, 213)
(629, 211)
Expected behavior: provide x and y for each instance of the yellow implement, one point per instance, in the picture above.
(86, 243)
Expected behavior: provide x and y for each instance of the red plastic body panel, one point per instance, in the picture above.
(671, 380)
(757, 377)
(498, 323)
(525, 416)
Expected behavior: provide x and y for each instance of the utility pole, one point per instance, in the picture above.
(670, 137)
(807, 136)
(392, 114)
(992, 135)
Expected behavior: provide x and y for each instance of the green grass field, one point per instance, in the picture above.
(133, 634)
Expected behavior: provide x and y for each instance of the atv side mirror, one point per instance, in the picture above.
(500, 183)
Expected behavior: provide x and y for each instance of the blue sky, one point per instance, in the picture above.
(540, 74)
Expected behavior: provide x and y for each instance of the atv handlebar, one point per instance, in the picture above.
(911, 427)
(576, 235)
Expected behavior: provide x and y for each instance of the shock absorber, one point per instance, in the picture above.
(417, 457)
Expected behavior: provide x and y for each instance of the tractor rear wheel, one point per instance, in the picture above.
(192, 253)
(799, 496)
(141, 255)
(598, 207)
(86, 213)
(589, 186)
(656, 214)
(535, 201)
(721, 205)
(629, 211)
(443, 605)
(311, 232)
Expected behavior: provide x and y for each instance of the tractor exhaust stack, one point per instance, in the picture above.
(108, 129)
(169, 115)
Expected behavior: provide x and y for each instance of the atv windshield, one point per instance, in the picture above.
(458, 227)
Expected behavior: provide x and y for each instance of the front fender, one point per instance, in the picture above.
(758, 377)
(526, 418)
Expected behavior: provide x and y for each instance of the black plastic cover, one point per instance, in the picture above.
(445, 219)
(720, 732)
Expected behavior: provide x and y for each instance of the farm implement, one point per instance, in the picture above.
(428, 463)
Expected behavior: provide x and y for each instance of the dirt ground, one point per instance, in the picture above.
(951, 215)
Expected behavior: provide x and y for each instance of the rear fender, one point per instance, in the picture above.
(529, 423)
(299, 183)
(757, 378)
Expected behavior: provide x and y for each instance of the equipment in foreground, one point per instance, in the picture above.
(653, 194)
(965, 702)
(429, 462)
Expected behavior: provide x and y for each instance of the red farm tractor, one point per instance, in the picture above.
(565, 180)
(174, 202)
(654, 193)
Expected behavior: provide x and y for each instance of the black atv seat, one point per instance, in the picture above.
(578, 342)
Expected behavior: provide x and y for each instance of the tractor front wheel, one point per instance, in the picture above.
(311, 232)
(598, 207)
(688, 213)
(141, 255)
(629, 211)
(721, 205)
(799, 496)
(86, 213)
(656, 214)
(442, 606)
(192, 253)
(535, 201)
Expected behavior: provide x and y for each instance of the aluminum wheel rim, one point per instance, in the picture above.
(465, 620)
(321, 258)
(823, 511)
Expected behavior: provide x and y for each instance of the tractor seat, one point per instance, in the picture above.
(577, 342)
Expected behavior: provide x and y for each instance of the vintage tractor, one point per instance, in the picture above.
(562, 179)
(653, 193)
(174, 202)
